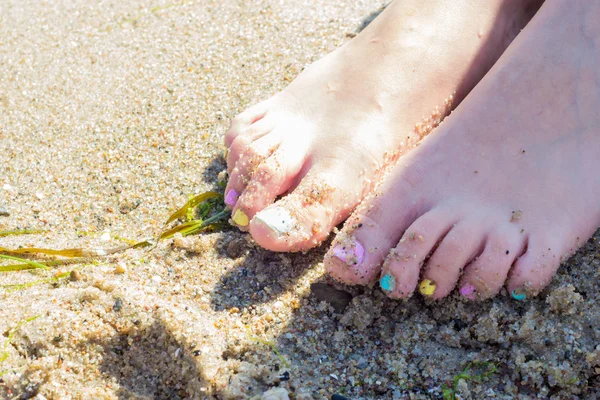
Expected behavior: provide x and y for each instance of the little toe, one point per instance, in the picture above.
(533, 270)
(244, 120)
(460, 246)
(401, 269)
(486, 275)
(240, 144)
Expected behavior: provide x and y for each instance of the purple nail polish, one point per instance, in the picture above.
(352, 255)
(468, 291)
(231, 197)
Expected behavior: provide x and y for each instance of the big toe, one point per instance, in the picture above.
(356, 255)
(305, 217)
(376, 226)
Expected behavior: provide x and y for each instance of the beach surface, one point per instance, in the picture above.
(111, 114)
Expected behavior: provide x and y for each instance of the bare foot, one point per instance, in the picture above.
(322, 142)
(506, 188)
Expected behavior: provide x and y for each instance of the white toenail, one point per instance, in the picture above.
(278, 219)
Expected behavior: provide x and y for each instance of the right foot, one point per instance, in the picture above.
(326, 138)
(506, 189)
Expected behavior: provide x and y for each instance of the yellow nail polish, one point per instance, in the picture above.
(225, 152)
(240, 218)
(427, 287)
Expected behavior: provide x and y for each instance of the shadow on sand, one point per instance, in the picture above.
(386, 349)
(152, 364)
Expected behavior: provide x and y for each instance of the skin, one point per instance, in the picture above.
(507, 187)
(300, 162)
(503, 191)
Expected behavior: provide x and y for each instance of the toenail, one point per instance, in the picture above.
(350, 254)
(240, 218)
(427, 287)
(518, 295)
(468, 291)
(277, 219)
(225, 152)
(231, 197)
(387, 282)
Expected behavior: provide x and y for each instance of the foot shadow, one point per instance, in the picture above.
(262, 275)
(368, 19)
(213, 169)
(151, 364)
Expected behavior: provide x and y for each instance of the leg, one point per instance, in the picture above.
(322, 142)
(507, 187)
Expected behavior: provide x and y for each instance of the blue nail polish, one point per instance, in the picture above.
(387, 282)
(518, 296)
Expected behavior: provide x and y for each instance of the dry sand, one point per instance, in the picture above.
(111, 113)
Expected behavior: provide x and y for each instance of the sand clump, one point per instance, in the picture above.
(111, 114)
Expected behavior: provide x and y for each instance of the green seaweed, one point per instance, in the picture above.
(25, 264)
(191, 204)
(21, 232)
(6, 371)
(11, 333)
(20, 286)
(269, 344)
(202, 212)
(449, 392)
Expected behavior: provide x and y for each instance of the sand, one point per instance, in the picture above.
(111, 114)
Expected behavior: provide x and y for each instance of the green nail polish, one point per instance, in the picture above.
(518, 296)
(387, 282)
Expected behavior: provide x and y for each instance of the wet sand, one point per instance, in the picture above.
(111, 114)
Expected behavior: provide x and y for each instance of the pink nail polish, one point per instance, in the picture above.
(231, 197)
(468, 291)
(351, 255)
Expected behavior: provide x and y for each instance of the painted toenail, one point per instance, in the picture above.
(277, 219)
(427, 287)
(231, 197)
(468, 291)
(225, 152)
(518, 295)
(387, 282)
(240, 218)
(350, 254)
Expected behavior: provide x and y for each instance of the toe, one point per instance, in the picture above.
(273, 177)
(247, 164)
(240, 144)
(324, 197)
(534, 269)
(461, 245)
(356, 255)
(302, 219)
(377, 225)
(243, 121)
(401, 269)
(486, 275)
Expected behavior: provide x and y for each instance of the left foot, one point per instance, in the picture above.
(321, 143)
(506, 188)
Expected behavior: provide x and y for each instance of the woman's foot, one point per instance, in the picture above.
(506, 188)
(325, 139)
